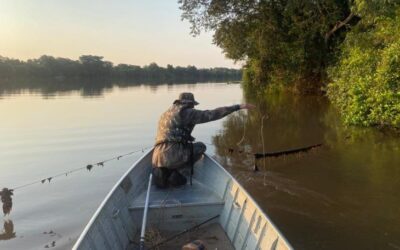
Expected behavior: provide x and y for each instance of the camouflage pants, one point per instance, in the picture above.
(199, 149)
(175, 176)
(177, 155)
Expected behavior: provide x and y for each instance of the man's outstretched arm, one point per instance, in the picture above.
(195, 116)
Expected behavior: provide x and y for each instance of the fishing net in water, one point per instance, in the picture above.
(6, 199)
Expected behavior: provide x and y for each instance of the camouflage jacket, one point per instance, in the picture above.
(174, 131)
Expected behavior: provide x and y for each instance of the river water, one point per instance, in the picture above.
(343, 195)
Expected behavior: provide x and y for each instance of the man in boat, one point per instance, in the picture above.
(175, 149)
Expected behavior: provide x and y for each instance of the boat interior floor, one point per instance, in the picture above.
(196, 194)
(212, 235)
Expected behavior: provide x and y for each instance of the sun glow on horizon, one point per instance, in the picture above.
(133, 32)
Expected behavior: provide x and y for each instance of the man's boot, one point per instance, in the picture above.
(160, 176)
(176, 179)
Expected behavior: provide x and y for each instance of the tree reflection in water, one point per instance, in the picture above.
(344, 190)
(278, 120)
(87, 87)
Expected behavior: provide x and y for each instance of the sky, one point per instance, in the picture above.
(135, 32)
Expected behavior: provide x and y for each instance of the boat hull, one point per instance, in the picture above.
(214, 194)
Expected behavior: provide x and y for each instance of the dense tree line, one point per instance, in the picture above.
(347, 46)
(94, 67)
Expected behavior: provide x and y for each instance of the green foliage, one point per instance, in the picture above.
(366, 81)
(282, 41)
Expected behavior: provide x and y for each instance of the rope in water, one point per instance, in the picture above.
(263, 146)
(87, 167)
(244, 134)
(6, 193)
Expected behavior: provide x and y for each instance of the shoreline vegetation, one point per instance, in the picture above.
(346, 50)
(90, 67)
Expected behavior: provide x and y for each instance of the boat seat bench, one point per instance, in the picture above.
(196, 195)
(181, 207)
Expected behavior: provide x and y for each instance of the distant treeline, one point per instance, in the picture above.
(94, 67)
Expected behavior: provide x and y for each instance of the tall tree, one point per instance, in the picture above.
(282, 41)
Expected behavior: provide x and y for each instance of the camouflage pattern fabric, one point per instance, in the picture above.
(172, 128)
(172, 149)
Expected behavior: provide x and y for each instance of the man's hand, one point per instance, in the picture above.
(247, 106)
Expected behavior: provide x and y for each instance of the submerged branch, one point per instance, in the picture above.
(287, 152)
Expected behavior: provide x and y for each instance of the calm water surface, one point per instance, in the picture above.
(341, 196)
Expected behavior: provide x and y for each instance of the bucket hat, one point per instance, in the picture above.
(186, 97)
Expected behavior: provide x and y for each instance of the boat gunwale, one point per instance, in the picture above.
(105, 200)
(255, 203)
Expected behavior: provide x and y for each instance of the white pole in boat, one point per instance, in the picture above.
(146, 207)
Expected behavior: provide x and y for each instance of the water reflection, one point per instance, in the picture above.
(340, 193)
(49, 88)
(280, 133)
(287, 125)
(8, 230)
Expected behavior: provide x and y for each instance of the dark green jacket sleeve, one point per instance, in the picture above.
(194, 116)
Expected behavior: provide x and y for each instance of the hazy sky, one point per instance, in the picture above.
(123, 31)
